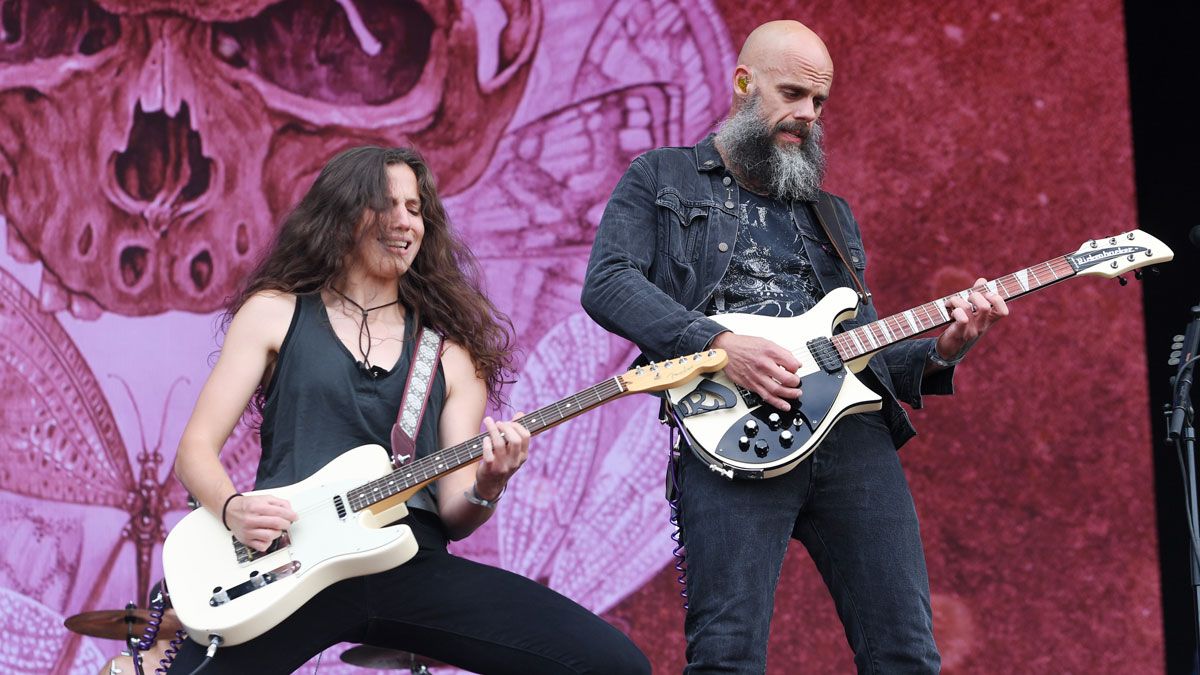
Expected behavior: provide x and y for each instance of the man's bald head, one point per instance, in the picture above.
(778, 45)
(787, 67)
(771, 139)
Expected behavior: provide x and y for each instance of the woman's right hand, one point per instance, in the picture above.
(258, 520)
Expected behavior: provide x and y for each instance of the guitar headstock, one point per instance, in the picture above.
(1119, 254)
(672, 372)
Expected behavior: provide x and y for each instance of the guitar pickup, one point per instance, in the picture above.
(825, 354)
(245, 554)
(751, 399)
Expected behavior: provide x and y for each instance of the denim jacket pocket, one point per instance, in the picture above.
(683, 221)
(828, 264)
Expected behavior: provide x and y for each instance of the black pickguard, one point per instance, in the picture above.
(765, 446)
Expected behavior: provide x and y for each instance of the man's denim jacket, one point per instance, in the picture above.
(665, 241)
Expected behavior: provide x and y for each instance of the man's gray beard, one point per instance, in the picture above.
(792, 173)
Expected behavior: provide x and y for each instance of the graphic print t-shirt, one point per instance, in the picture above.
(770, 274)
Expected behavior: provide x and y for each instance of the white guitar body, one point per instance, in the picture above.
(323, 547)
(220, 587)
(838, 395)
(740, 437)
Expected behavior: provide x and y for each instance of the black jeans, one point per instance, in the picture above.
(850, 506)
(444, 607)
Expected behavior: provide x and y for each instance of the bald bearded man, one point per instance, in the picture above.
(731, 225)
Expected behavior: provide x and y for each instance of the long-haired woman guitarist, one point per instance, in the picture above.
(322, 341)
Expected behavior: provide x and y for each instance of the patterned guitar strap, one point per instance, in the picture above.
(416, 396)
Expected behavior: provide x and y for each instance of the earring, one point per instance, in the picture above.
(743, 82)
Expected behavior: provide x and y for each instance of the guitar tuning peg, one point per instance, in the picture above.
(1123, 280)
(1137, 274)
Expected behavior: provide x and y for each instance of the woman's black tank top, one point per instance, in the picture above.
(321, 402)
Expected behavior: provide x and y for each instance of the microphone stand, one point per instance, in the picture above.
(1181, 432)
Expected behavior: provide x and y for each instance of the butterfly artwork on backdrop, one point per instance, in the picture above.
(61, 444)
(36, 640)
(625, 77)
(650, 75)
(586, 514)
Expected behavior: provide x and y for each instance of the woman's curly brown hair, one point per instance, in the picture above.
(442, 288)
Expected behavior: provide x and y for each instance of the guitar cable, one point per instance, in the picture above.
(150, 634)
(674, 488)
(1193, 533)
(214, 641)
(164, 664)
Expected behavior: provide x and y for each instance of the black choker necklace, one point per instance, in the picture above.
(364, 331)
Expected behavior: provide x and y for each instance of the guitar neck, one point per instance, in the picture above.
(430, 468)
(873, 337)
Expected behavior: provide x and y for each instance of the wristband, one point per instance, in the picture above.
(225, 508)
(936, 359)
(472, 496)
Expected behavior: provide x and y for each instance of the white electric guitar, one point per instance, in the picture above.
(741, 437)
(221, 587)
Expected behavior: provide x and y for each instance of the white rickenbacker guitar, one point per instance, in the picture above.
(741, 437)
(221, 587)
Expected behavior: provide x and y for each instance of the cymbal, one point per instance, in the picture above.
(369, 656)
(111, 624)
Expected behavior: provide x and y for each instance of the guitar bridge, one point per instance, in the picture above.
(256, 581)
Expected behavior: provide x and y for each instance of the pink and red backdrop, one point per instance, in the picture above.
(147, 149)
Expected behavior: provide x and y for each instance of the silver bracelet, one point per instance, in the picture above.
(472, 496)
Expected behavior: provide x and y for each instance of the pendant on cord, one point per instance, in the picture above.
(364, 330)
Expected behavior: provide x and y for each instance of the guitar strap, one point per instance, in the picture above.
(416, 395)
(824, 212)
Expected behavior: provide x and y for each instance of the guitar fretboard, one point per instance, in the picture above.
(444, 461)
(874, 336)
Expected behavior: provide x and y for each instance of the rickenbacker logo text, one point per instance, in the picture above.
(1105, 254)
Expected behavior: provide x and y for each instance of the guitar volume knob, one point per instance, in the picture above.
(744, 443)
(761, 447)
(751, 428)
(785, 439)
(773, 421)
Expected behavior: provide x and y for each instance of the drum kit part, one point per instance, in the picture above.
(380, 658)
(120, 624)
(130, 623)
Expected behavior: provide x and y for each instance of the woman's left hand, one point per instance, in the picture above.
(505, 449)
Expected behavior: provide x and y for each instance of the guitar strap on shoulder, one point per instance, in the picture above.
(416, 395)
(824, 211)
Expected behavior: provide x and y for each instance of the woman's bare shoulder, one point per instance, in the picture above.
(266, 314)
(459, 367)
